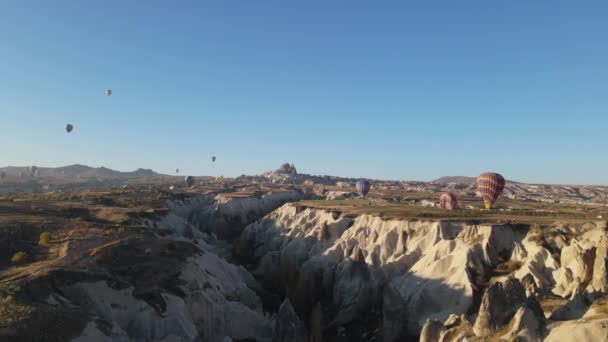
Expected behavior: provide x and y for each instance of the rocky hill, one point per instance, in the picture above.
(75, 171)
(80, 177)
(455, 179)
(462, 186)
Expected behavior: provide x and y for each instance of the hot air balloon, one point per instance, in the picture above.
(189, 181)
(363, 187)
(108, 92)
(33, 170)
(213, 159)
(447, 200)
(176, 170)
(490, 185)
(69, 128)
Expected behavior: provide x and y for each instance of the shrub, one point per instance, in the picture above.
(44, 239)
(19, 257)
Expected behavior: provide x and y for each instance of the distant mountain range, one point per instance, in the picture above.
(461, 180)
(103, 173)
(455, 179)
(76, 170)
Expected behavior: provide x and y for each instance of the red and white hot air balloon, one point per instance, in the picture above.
(448, 201)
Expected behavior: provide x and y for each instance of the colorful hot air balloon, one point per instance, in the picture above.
(213, 159)
(69, 128)
(363, 187)
(108, 92)
(490, 186)
(447, 200)
(189, 181)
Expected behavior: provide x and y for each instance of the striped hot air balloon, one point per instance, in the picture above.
(490, 186)
(363, 187)
(447, 200)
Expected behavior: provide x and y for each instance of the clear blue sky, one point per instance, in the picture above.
(390, 90)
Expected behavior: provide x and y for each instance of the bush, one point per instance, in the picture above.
(44, 239)
(19, 257)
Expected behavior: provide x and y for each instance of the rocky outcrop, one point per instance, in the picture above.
(412, 271)
(500, 303)
(221, 215)
(207, 298)
(575, 308)
(526, 325)
(287, 169)
(599, 282)
(285, 174)
(579, 330)
(432, 331)
(288, 326)
(130, 318)
(359, 261)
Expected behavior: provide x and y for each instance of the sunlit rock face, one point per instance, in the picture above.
(409, 273)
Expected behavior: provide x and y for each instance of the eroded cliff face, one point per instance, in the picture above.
(199, 297)
(257, 268)
(402, 276)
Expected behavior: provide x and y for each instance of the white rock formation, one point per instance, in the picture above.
(413, 270)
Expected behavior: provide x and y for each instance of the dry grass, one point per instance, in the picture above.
(400, 210)
(507, 267)
(19, 257)
(114, 215)
(550, 304)
(599, 308)
(44, 239)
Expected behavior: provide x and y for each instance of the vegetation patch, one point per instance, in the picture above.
(44, 239)
(19, 257)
